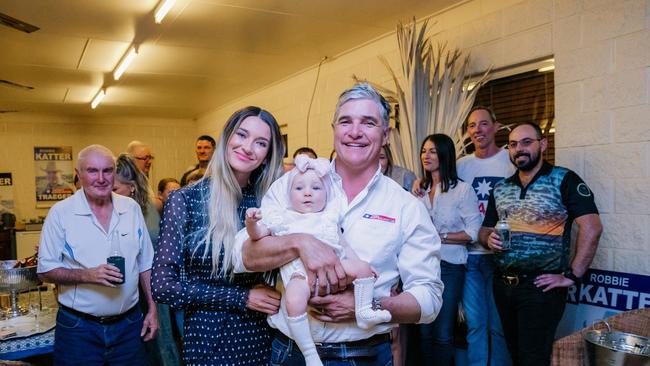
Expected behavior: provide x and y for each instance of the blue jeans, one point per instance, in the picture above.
(82, 342)
(530, 318)
(485, 339)
(283, 354)
(437, 338)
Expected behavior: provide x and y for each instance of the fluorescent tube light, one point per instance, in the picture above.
(162, 9)
(124, 63)
(98, 98)
(549, 67)
(546, 68)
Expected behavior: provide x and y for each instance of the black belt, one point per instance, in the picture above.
(361, 348)
(515, 278)
(110, 319)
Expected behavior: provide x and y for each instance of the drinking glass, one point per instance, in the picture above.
(35, 308)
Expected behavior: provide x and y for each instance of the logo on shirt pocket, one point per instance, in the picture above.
(379, 217)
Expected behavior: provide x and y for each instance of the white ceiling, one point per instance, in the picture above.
(204, 54)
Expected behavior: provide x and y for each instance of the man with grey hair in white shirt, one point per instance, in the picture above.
(386, 227)
(98, 321)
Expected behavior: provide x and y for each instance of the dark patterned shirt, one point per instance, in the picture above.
(219, 329)
(540, 216)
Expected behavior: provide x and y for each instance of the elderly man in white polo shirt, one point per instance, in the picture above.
(98, 321)
(385, 225)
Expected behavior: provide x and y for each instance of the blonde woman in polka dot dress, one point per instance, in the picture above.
(225, 314)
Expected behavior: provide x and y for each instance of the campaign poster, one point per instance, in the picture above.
(54, 174)
(601, 295)
(6, 194)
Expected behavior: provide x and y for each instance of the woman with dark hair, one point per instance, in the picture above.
(130, 181)
(225, 313)
(453, 207)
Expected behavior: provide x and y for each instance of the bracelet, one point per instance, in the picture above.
(570, 275)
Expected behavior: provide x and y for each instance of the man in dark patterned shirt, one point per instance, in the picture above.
(540, 202)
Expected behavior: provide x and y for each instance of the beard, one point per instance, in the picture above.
(526, 165)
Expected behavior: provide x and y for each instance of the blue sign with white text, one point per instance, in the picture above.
(601, 295)
(612, 290)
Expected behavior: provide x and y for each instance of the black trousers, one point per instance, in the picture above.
(529, 318)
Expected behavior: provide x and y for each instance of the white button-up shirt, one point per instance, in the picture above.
(453, 211)
(388, 228)
(73, 238)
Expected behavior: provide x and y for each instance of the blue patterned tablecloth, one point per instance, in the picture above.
(14, 349)
(37, 344)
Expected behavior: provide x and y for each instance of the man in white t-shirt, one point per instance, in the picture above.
(488, 165)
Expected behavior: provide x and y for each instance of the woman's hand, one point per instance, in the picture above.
(416, 189)
(263, 299)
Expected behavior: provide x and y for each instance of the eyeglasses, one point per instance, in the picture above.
(523, 143)
(145, 158)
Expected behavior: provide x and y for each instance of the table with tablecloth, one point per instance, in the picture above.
(30, 341)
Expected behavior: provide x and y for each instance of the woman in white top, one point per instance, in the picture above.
(453, 207)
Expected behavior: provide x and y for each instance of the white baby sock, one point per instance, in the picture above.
(300, 333)
(366, 316)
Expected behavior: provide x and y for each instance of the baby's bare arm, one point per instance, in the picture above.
(256, 230)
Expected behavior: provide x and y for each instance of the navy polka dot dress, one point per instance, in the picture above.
(219, 329)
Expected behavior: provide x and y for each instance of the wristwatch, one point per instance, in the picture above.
(444, 236)
(376, 304)
(570, 275)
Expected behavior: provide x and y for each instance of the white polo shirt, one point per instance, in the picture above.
(388, 228)
(73, 238)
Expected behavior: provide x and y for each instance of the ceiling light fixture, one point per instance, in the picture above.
(546, 68)
(98, 98)
(125, 62)
(162, 9)
(550, 65)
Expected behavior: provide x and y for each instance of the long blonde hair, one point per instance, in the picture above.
(225, 193)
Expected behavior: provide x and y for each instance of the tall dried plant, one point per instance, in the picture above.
(432, 93)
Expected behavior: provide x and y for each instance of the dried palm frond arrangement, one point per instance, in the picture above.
(432, 92)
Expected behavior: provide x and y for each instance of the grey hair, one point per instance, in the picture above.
(364, 91)
(127, 172)
(130, 148)
(93, 149)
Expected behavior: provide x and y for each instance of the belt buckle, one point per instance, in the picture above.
(104, 319)
(510, 280)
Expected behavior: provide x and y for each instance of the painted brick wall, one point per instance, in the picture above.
(602, 53)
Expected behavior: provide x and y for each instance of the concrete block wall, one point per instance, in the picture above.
(602, 76)
(172, 143)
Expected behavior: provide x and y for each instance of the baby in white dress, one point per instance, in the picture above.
(308, 190)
